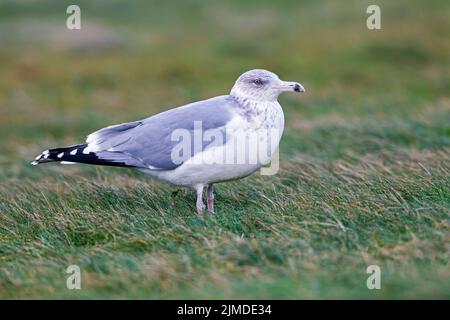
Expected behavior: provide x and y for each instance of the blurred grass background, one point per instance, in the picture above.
(365, 155)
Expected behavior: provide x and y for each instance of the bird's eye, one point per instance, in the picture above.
(257, 82)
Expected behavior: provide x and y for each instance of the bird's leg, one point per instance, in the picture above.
(199, 204)
(210, 198)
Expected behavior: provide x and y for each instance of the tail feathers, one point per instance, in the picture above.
(77, 154)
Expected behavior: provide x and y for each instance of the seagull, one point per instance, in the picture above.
(195, 145)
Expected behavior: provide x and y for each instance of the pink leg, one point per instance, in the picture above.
(210, 198)
(199, 204)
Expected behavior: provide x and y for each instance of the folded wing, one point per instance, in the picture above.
(149, 142)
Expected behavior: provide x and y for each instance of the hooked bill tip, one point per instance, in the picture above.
(299, 88)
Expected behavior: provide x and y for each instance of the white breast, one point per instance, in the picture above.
(251, 141)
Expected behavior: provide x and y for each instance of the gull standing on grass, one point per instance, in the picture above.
(195, 145)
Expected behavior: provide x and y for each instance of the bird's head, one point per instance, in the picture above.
(262, 85)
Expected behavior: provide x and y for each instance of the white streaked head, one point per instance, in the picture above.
(262, 85)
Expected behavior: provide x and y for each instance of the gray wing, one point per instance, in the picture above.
(149, 142)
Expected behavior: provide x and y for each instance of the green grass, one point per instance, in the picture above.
(365, 161)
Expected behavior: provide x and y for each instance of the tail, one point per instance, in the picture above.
(77, 154)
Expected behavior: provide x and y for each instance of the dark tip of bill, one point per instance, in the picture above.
(297, 88)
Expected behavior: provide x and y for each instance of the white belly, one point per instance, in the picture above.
(250, 145)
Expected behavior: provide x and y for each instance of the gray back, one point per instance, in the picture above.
(149, 141)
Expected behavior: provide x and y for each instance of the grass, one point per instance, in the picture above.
(364, 175)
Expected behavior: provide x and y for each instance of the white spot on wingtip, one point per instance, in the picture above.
(59, 156)
(38, 157)
(34, 163)
(73, 152)
(86, 150)
(46, 152)
(67, 162)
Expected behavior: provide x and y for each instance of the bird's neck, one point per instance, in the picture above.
(251, 102)
(253, 97)
(255, 109)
